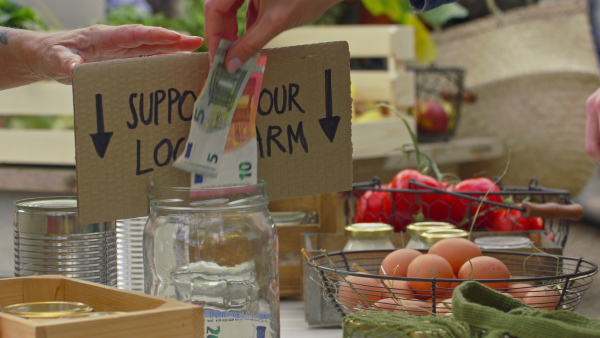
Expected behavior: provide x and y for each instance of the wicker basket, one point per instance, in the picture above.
(532, 70)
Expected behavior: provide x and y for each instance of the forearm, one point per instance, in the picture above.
(17, 57)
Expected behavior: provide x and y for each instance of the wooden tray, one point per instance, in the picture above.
(146, 316)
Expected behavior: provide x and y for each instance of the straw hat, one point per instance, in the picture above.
(532, 70)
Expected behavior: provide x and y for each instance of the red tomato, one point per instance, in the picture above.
(463, 208)
(409, 204)
(374, 206)
(511, 220)
(537, 223)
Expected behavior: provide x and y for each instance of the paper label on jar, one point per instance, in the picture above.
(236, 325)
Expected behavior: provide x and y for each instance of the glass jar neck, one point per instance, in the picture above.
(236, 198)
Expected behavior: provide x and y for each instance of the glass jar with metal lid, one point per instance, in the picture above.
(368, 236)
(416, 229)
(429, 238)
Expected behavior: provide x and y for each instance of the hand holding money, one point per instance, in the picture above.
(213, 113)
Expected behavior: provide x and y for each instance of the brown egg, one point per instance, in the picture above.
(413, 307)
(456, 251)
(396, 262)
(485, 267)
(542, 297)
(397, 289)
(519, 290)
(429, 266)
(386, 304)
(359, 291)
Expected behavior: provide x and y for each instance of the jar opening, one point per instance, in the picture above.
(225, 198)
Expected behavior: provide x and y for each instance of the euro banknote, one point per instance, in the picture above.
(240, 156)
(213, 113)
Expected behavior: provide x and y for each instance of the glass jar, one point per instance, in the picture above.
(416, 229)
(430, 237)
(216, 248)
(368, 236)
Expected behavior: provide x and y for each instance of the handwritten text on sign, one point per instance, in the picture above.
(162, 106)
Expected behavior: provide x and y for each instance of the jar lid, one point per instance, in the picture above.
(503, 242)
(369, 230)
(421, 227)
(433, 236)
(46, 309)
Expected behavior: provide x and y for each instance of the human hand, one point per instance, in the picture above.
(58, 53)
(265, 19)
(592, 133)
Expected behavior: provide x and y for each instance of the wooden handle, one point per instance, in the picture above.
(553, 211)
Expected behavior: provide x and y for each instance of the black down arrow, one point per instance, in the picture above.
(101, 139)
(329, 123)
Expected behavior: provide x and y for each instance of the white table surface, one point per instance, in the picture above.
(294, 326)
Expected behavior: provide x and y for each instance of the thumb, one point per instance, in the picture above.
(67, 64)
(249, 44)
(71, 62)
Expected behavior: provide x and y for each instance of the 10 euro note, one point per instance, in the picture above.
(213, 113)
(240, 157)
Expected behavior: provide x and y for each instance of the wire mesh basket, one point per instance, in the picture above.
(441, 87)
(496, 211)
(351, 282)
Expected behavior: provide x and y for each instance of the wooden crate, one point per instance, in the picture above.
(396, 85)
(146, 316)
(37, 146)
(330, 220)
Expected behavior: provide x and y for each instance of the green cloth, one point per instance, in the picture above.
(478, 311)
(501, 315)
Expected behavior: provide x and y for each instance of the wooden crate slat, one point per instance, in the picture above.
(364, 41)
(37, 146)
(37, 99)
(397, 89)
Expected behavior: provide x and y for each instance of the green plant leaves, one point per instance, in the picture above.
(17, 16)
(445, 13)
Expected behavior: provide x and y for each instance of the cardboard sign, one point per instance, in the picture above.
(132, 118)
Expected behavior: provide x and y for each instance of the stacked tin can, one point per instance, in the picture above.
(49, 240)
(130, 253)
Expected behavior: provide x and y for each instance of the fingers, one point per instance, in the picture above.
(256, 37)
(132, 36)
(219, 15)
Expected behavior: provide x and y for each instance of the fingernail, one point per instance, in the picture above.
(233, 65)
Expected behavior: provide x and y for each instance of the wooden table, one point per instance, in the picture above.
(294, 326)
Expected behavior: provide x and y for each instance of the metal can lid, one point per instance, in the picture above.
(433, 236)
(503, 242)
(67, 203)
(46, 309)
(369, 230)
(422, 227)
